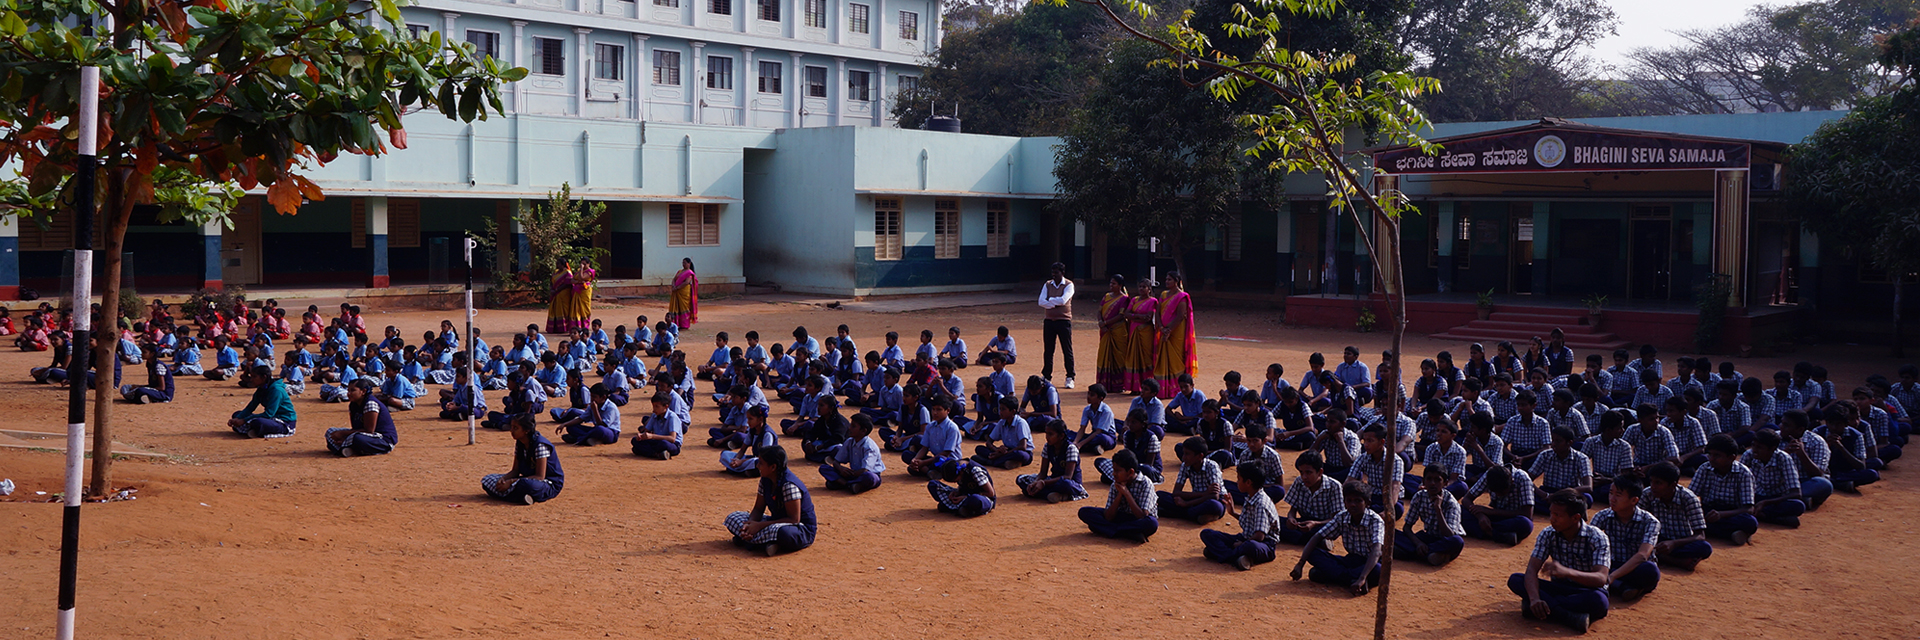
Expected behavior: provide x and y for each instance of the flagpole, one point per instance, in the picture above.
(473, 357)
(80, 346)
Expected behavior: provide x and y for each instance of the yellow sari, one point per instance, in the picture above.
(1111, 359)
(1141, 341)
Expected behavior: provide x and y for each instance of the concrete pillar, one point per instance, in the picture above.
(1542, 256)
(642, 74)
(878, 24)
(376, 230)
(696, 90)
(797, 93)
(447, 20)
(747, 75)
(519, 60)
(933, 31)
(837, 88)
(879, 96)
(1730, 230)
(210, 270)
(10, 258)
(586, 70)
(1443, 217)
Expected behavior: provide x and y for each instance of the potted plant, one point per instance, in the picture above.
(1594, 303)
(1483, 304)
(1366, 320)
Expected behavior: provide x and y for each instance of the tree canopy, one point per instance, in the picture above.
(1509, 59)
(1857, 181)
(1819, 54)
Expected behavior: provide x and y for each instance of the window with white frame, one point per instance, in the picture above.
(719, 72)
(770, 80)
(550, 56)
(857, 18)
(720, 7)
(486, 44)
(886, 229)
(858, 83)
(816, 82)
(946, 228)
(690, 225)
(418, 31)
(817, 14)
(607, 59)
(909, 25)
(666, 67)
(999, 229)
(770, 10)
(905, 85)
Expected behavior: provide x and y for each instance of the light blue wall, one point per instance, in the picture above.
(802, 212)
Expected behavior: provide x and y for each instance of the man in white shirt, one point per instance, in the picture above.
(1056, 296)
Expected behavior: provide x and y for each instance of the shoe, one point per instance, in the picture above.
(347, 452)
(1578, 622)
(1056, 498)
(772, 550)
(527, 499)
(1242, 563)
(1069, 382)
(1740, 538)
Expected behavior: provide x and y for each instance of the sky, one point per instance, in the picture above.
(1651, 23)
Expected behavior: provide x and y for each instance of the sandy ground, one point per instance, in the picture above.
(250, 538)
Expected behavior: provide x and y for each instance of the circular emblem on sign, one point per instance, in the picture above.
(1550, 151)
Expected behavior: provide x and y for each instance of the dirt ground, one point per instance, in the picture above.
(238, 538)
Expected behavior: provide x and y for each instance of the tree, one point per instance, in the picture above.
(1149, 156)
(558, 233)
(1509, 59)
(248, 93)
(1305, 130)
(1011, 74)
(1856, 181)
(1819, 55)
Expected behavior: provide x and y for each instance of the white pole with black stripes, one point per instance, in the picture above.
(80, 298)
(473, 355)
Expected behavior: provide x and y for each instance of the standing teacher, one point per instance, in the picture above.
(1056, 296)
(683, 307)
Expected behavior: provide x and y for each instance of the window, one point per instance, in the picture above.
(675, 4)
(418, 31)
(666, 67)
(693, 225)
(906, 85)
(403, 223)
(909, 25)
(1230, 239)
(817, 14)
(719, 72)
(816, 82)
(720, 7)
(486, 44)
(886, 229)
(770, 10)
(550, 56)
(1462, 237)
(999, 229)
(857, 83)
(607, 59)
(770, 77)
(857, 18)
(946, 228)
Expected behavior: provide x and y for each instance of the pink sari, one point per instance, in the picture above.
(683, 307)
(1141, 340)
(1177, 352)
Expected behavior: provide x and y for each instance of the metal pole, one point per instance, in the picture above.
(80, 345)
(473, 356)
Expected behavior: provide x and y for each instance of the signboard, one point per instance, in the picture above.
(1551, 150)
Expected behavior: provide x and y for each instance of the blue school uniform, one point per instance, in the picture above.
(467, 401)
(739, 460)
(604, 428)
(665, 424)
(1099, 418)
(186, 362)
(956, 350)
(941, 441)
(911, 420)
(1016, 435)
(1004, 344)
(579, 400)
(893, 357)
(776, 493)
(162, 393)
(1188, 404)
(523, 353)
(226, 358)
(1156, 413)
(664, 343)
(886, 404)
(1002, 382)
(525, 459)
(397, 387)
(926, 352)
(361, 443)
(862, 457)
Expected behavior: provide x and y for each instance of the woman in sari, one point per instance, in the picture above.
(683, 308)
(580, 310)
(1177, 353)
(561, 302)
(1111, 358)
(1141, 338)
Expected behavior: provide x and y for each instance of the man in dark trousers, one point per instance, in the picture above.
(1056, 296)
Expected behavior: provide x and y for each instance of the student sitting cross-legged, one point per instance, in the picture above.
(276, 419)
(1776, 481)
(1360, 530)
(1575, 558)
(1442, 539)
(1507, 517)
(1207, 500)
(536, 475)
(782, 519)
(1009, 441)
(600, 427)
(660, 434)
(369, 429)
(1059, 477)
(1143, 442)
(738, 458)
(1259, 524)
(856, 465)
(1725, 488)
(1132, 510)
(159, 386)
(1683, 523)
(1632, 533)
(971, 494)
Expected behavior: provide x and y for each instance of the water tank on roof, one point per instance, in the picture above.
(948, 124)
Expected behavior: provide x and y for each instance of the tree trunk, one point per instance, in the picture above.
(1397, 301)
(108, 330)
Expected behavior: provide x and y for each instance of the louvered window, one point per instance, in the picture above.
(999, 231)
(946, 228)
(693, 225)
(886, 229)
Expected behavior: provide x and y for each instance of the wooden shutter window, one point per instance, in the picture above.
(676, 225)
(359, 223)
(887, 244)
(946, 229)
(700, 227)
(999, 229)
(710, 225)
(403, 223)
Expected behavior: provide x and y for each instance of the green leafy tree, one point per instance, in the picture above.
(1313, 108)
(1819, 54)
(1509, 59)
(1149, 156)
(1019, 73)
(1856, 181)
(558, 233)
(223, 91)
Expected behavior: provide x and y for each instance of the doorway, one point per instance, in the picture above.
(1520, 248)
(1651, 258)
(1306, 248)
(240, 244)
